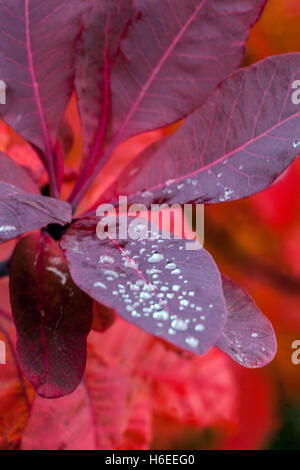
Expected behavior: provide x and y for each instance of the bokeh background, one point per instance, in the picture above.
(173, 401)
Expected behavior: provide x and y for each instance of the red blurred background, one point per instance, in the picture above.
(209, 402)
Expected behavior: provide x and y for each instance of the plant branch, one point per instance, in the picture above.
(102, 128)
(89, 181)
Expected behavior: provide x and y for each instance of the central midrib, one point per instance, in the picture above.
(158, 67)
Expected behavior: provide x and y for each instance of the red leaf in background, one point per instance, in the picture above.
(24, 155)
(154, 284)
(230, 158)
(198, 391)
(15, 393)
(110, 392)
(138, 433)
(173, 56)
(37, 64)
(131, 377)
(61, 424)
(51, 338)
(192, 390)
(278, 205)
(256, 412)
(95, 416)
(248, 337)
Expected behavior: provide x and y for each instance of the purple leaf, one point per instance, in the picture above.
(103, 25)
(173, 56)
(37, 64)
(155, 284)
(248, 337)
(235, 145)
(52, 317)
(12, 173)
(22, 212)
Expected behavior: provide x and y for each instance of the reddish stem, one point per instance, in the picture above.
(102, 129)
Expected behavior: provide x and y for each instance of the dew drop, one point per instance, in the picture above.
(179, 325)
(170, 266)
(134, 287)
(139, 228)
(106, 259)
(135, 314)
(191, 341)
(130, 263)
(155, 258)
(145, 295)
(176, 271)
(161, 315)
(111, 274)
(100, 284)
(7, 228)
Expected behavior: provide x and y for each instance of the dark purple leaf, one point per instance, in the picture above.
(22, 212)
(12, 173)
(248, 337)
(155, 284)
(235, 145)
(103, 317)
(173, 56)
(103, 25)
(37, 63)
(52, 316)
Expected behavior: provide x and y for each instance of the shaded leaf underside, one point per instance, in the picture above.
(52, 316)
(248, 337)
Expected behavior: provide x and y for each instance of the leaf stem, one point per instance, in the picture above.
(102, 128)
(52, 179)
(81, 192)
